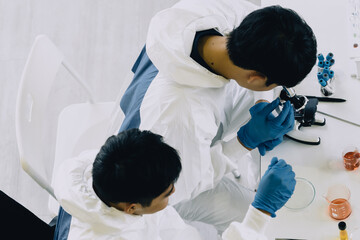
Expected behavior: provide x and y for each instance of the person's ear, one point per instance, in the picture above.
(131, 208)
(257, 79)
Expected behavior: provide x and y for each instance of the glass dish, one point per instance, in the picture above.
(303, 196)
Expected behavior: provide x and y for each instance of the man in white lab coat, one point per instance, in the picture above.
(122, 192)
(205, 65)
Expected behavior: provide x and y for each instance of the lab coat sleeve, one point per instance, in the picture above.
(252, 227)
(224, 156)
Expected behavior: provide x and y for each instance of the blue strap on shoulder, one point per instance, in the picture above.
(144, 72)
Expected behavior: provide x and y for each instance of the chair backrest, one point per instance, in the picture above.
(37, 79)
(41, 69)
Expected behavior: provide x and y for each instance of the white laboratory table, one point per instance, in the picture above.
(321, 165)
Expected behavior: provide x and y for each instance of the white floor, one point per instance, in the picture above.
(99, 38)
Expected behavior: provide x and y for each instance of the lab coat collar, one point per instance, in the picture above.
(169, 46)
(77, 196)
(109, 215)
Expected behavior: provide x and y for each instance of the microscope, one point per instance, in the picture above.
(305, 116)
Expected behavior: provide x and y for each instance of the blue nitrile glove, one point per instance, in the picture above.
(269, 145)
(264, 126)
(276, 187)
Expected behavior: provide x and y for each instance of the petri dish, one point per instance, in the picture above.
(303, 196)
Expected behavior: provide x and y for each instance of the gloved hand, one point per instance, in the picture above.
(264, 126)
(276, 187)
(269, 145)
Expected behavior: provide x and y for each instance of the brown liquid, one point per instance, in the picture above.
(351, 160)
(339, 209)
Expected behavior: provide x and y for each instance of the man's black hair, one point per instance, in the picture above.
(275, 42)
(134, 166)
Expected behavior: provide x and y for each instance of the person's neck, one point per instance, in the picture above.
(213, 51)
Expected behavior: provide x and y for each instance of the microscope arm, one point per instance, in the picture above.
(302, 137)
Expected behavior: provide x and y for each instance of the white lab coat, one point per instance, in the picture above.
(192, 108)
(92, 219)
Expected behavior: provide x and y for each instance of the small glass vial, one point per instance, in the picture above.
(343, 232)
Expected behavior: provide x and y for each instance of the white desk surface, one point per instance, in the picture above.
(322, 165)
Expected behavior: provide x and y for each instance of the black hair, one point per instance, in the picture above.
(275, 42)
(134, 166)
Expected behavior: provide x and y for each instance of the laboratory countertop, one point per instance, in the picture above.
(322, 165)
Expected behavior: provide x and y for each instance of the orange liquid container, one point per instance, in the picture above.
(351, 160)
(339, 209)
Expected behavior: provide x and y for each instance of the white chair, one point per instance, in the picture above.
(80, 126)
